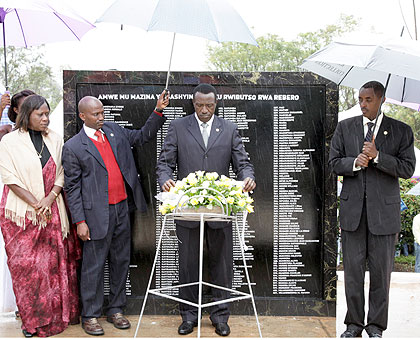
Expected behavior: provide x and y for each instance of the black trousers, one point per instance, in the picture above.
(220, 260)
(116, 247)
(379, 251)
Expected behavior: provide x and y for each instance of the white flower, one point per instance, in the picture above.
(181, 192)
(179, 185)
(212, 175)
(194, 201)
(204, 192)
(162, 209)
(205, 184)
(241, 203)
(200, 174)
(192, 179)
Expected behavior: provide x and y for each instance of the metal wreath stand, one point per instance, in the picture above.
(201, 216)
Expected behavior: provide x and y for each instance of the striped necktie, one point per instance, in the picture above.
(369, 133)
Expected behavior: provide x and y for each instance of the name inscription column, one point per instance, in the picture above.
(239, 280)
(288, 235)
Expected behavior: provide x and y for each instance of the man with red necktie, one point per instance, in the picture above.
(100, 179)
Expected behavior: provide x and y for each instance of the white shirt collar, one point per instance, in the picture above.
(91, 132)
(209, 123)
(378, 123)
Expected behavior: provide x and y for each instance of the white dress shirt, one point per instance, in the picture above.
(209, 124)
(91, 132)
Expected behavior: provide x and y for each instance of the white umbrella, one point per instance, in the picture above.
(355, 60)
(34, 22)
(211, 19)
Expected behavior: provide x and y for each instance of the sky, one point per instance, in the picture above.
(107, 47)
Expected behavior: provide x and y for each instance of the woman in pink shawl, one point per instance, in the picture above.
(41, 249)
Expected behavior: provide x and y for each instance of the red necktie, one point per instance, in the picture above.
(99, 135)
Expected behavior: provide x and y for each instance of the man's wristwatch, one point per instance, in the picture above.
(158, 110)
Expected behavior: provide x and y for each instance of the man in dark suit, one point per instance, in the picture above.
(100, 177)
(203, 141)
(371, 163)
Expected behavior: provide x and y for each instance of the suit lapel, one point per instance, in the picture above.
(360, 134)
(194, 129)
(111, 139)
(90, 147)
(216, 131)
(383, 132)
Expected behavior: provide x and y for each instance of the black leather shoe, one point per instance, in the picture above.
(186, 327)
(351, 333)
(222, 328)
(27, 334)
(374, 334)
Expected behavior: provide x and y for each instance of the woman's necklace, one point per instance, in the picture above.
(42, 149)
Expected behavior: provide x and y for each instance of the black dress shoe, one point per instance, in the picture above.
(222, 328)
(27, 334)
(351, 333)
(374, 334)
(186, 327)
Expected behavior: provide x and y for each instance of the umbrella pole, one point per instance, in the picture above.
(170, 61)
(382, 101)
(5, 61)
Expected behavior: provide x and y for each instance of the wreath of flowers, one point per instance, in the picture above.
(197, 190)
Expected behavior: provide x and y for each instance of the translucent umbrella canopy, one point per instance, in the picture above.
(357, 59)
(211, 19)
(28, 23)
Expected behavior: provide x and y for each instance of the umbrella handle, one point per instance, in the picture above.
(170, 62)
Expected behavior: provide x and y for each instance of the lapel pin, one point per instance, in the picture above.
(385, 132)
(217, 130)
(112, 135)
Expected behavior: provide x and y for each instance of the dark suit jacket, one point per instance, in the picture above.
(86, 178)
(395, 144)
(184, 149)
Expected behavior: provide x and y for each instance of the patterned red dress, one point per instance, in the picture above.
(43, 268)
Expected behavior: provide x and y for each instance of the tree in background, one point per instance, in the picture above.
(276, 54)
(408, 116)
(26, 69)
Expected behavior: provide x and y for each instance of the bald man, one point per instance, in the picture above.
(100, 179)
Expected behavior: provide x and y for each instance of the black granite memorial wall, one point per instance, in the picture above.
(286, 121)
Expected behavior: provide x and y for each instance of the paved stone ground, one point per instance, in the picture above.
(404, 305)
(404, 319)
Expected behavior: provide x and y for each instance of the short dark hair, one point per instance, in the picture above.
(14, 102)
(377, 87)
(29, 105)
(205, 88)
